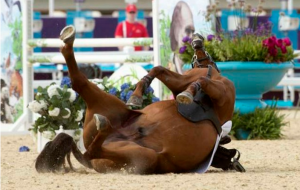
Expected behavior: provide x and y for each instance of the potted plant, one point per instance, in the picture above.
(263, 123)
(252, 58)
(60, 109)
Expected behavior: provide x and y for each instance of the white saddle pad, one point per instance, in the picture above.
(226, 127)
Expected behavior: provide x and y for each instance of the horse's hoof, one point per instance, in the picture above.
(135, 101)
(184, 98)
(67, 34)
(100, 122)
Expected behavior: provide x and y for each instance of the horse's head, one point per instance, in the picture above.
(201, 58)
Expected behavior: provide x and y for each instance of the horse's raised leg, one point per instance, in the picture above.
(121, 154)
(97, 101)
(174, 81)
(212, 84)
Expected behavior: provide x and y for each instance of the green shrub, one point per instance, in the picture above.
(263, 123)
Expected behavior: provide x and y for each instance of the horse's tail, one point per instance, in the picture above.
(80, 157)
(53, 156)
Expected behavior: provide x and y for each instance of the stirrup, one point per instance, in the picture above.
(236, 165)
(67, 34)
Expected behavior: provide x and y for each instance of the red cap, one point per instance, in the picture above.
(131, 8)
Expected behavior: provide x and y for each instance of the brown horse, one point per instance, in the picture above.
(156, 139)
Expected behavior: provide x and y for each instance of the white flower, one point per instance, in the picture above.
(100, 86)
(38, 94)
(96, 81)
(43, 104)
(69, 113)
(54, 112)
(72, 95)
(79, 115)
(52, 90)
(36, 107)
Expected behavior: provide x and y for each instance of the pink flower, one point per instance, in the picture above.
(283, 49)
(287, 41)
(270, 42)
(279, 43)
(265, 42)
(273, 51)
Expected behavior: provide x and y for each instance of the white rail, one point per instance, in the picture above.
(92, 42)
(286, 81)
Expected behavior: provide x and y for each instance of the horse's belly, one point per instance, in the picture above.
(182, 142)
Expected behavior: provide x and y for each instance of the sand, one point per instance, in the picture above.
(270, 164)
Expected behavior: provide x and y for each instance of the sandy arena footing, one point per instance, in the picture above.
(270, 164)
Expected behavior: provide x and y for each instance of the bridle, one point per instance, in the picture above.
(197, 61)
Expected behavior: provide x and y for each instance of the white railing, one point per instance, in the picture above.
(92, 42)
(126, 56)
(289, 82)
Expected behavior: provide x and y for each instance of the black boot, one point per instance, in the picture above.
(224, 158)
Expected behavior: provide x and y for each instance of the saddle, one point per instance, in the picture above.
(200, 109)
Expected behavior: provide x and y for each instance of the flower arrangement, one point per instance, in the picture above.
(60, 105)
(254, 43)
(125, 91)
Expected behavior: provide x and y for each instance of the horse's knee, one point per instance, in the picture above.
(147, 163)
(158, 69)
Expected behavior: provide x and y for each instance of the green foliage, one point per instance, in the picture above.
(134, 59)
(143, 42)
(245, 48)
(48, 122)
(165, 49)
(254, 43)
(17, 36)
(263, 123)
(19, 109)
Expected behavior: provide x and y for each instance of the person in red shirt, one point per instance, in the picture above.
(130, 28)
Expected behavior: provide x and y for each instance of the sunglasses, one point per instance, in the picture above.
(131, 12)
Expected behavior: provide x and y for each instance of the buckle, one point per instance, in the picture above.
(236, 165)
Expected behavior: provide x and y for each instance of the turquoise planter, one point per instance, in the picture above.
(242, 134)
(251, 80)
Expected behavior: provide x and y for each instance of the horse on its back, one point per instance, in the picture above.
(156, 139)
